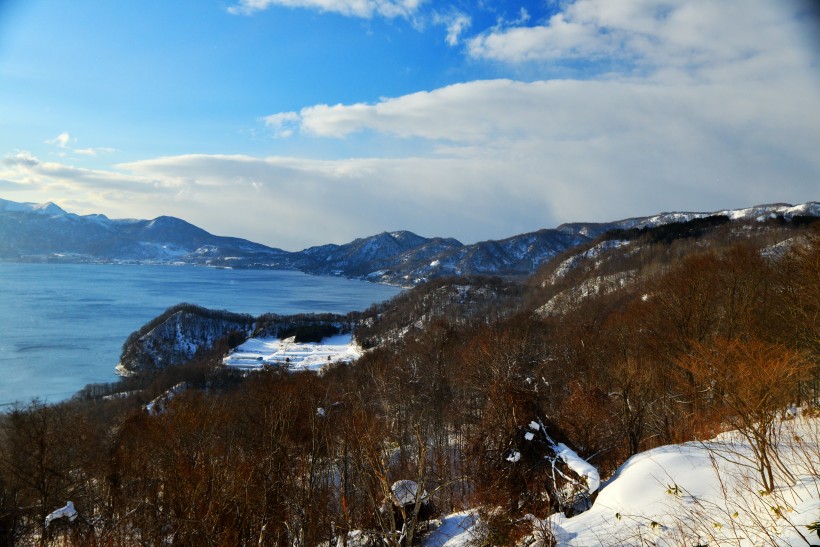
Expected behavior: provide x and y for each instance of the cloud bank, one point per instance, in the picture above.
(648, 33)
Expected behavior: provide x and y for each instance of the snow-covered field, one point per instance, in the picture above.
(257, 353)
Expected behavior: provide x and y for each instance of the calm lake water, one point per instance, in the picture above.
(62, 326)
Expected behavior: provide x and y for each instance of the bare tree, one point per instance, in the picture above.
(749, 383)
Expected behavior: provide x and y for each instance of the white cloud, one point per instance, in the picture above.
(93, 151)
(455, 22)
(23, 167)
(366, 9)
(297, 202)
(61, 140)
(64, 140)
(469, 112)
(500, 113)
(21, 158)
(560, 39)
(647, 33)
(283, 124)
(11, 186)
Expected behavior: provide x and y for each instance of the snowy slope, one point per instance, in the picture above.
(688, 494)
(176, 339)
(705, 493)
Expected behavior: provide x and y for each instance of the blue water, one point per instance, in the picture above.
(62, 326)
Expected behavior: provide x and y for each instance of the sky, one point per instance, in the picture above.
(303, 122)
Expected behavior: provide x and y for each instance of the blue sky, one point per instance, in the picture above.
(301, 122)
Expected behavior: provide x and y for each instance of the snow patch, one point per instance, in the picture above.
(258, 353)
(574, 261)
(405, 492)
(158, 405)
(514, 457)
(456, 530)
(67, 511)
(583, 468)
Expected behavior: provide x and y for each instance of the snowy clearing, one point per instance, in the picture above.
(705, 493)
(257, 353)
(456, 530)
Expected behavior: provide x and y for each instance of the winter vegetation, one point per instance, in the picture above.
(678, 406)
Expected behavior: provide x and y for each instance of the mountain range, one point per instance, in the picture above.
(45, 232)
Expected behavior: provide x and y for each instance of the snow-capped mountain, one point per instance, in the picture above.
(515, 256)
(371, 255)
(45, 232)
(758, 213)
(30, 232)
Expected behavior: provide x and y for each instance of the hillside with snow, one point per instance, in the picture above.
(706, 493)
(655, 385)
(697, 493)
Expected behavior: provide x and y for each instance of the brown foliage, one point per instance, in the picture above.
(747, 384)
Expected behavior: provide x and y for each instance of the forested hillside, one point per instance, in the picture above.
(479, 390)
(185, 331)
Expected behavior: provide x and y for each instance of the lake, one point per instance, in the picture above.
(62, 326)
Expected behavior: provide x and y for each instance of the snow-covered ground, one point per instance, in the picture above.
(158, 405)
(572, 262)
(698, 493)
(256, 353)
(705, 494)
(456, 530)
